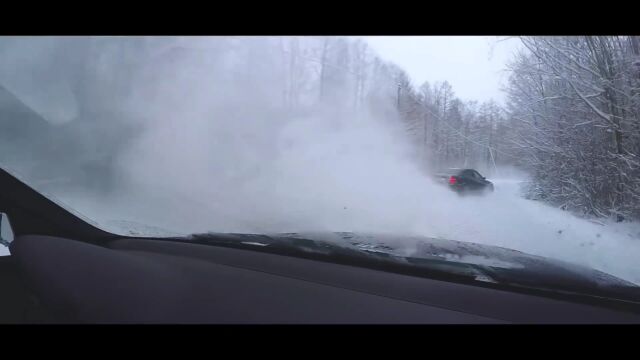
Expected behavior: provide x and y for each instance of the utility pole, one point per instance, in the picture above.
(398, 97)
(323, 61)
(424, 142)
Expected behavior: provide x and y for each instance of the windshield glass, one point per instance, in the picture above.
(165, 136)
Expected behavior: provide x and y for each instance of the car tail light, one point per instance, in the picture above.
(452, 180)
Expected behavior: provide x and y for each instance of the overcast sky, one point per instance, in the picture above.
(473, 65)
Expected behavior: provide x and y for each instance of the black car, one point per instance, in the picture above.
(466, 181)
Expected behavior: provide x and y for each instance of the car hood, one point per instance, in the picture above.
(497, 259)
(482, 263)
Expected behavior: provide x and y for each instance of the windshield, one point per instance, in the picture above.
(166, 136)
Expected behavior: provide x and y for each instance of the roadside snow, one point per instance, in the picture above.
(506, 219)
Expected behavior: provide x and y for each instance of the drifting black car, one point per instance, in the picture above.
(466, 181)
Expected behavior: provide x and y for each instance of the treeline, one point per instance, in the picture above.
(574, 106)
(450, 132)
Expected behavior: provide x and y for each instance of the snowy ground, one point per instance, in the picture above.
(533, 227)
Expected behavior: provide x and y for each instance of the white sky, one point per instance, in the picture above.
(473, 65)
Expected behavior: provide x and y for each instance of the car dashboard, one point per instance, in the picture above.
(132, 280)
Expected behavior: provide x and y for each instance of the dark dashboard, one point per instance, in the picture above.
(155, 281)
